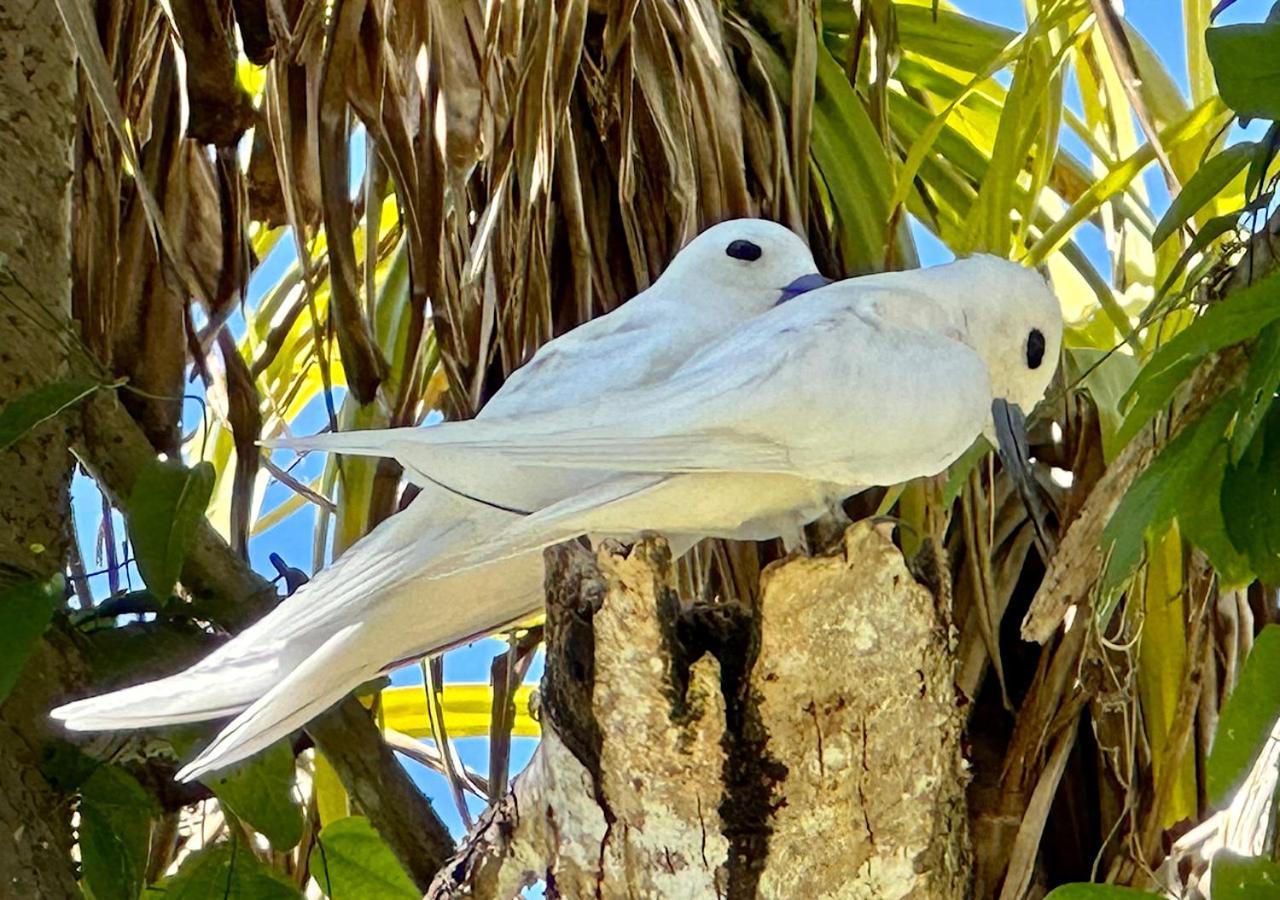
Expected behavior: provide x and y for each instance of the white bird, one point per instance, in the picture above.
(372, 608)
(870, 381)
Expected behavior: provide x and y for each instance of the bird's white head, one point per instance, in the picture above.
(1009, 315)
(749, 262)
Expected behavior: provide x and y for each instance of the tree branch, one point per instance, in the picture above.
(115, 451)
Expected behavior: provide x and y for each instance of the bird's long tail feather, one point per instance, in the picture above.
(317, 684)
(193, 695)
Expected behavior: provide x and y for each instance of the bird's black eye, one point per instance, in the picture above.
(1035, 348)
(744, 250)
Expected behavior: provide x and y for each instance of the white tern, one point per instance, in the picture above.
(870, 381)
(372, 608)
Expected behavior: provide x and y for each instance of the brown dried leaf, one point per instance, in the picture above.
(220, 110)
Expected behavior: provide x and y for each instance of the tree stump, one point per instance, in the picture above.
(807, 748)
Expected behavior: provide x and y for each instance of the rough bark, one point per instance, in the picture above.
(37, 120)
(810, 747)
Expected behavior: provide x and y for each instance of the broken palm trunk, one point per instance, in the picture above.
(808, 748)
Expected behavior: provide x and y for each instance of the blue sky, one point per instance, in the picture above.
(1159, 21)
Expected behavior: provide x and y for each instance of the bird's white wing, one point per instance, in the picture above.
(779, 395)
(883, 404)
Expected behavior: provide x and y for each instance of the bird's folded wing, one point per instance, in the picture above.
(753, 402)
(555, 523)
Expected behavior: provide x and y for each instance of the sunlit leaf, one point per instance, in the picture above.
(1207, 116)
(467, 710)
(1246, 65)
(1235, 319)
(166, 504)
(1203, 186)
(350, 861)
(1250, 714)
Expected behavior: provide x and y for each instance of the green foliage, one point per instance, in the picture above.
(853, 163)
(25, 609)
(40, 405)
(1097, 892)
(1207, 182)
(1260, 386)
(958, 471)
(1251, 490)
(1105, 377)
(351, 862)
(115, 834)
(1237, 319)
(1244, 877)
(164, 508)
(261, 792)
(1246, 65)
(225, 871)
(1177, 476)
(1247, 719)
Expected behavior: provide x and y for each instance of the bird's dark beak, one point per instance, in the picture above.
(802, 285)
(1011, 443)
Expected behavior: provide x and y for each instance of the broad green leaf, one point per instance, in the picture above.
(1173, 480)
(854, 166)
(1259, 390)
(25, 610)
(350, 861)
(261, 792)
(1202, 187)
(1235, 319)
(1247, 719)
(954, 39)
(1244, 877)
(1105, 377)
(115, 834)
(1246, 65)
(1097, 892)
(165, 507)
(225, 871)
(1251, 500)
(26, 412)
(1201, 515)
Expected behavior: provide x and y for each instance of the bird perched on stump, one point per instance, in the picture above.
(717, 403)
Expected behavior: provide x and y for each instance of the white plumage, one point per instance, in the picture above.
(698, 409)
(373, 607)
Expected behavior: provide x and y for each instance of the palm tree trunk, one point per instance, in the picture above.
(37, 122)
